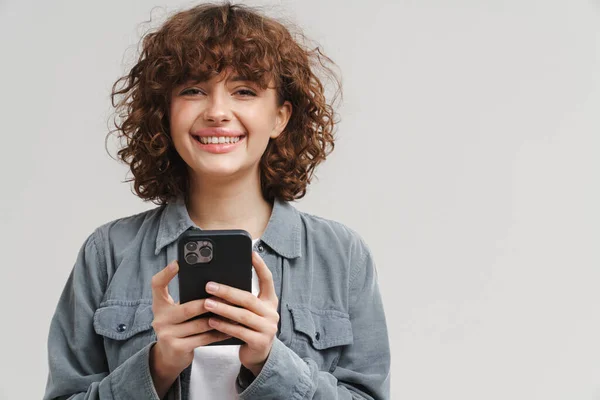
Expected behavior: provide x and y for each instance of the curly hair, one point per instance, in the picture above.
(197, 43)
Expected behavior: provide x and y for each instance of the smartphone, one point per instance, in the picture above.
(222, 256)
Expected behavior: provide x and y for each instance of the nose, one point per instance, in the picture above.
(218, 108)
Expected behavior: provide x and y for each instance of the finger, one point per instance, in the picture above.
(265, 279)
(236, 314)
(190, 328)
(241, 332)
(238, 297)
(221, 300)
(160, 282)
(183, 312)
(203, 339)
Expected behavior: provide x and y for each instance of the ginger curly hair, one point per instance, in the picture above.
(196, 43)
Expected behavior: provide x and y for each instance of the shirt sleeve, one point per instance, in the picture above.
(363, 370)
(77, 363)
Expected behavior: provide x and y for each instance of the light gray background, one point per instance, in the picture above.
(468, 158)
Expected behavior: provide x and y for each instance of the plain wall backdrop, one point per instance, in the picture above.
(468, 158)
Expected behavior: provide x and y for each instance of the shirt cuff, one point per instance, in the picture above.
(132, 379)
(284, 376)
(244, 379)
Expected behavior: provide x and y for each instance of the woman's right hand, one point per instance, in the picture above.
(176, 336)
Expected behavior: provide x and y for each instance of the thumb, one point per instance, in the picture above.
(161, 279)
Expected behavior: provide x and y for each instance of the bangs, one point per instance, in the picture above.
(215, 42)
(244, 63)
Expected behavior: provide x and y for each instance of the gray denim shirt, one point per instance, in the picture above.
(332, 341)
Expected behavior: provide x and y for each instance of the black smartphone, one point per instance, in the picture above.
(222, 256)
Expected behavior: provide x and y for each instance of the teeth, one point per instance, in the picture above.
(219, 139)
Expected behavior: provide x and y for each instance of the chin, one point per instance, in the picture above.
(218, 170)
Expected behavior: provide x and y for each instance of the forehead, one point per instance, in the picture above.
(205, 72)
(227, 76)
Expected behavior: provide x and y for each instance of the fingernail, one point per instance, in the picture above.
(210, 303)
(212, 287)
(173, 265)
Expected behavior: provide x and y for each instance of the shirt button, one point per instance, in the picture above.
(121, 328)
(317, 336)
(260, 248)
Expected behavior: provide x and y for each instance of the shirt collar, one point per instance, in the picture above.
(282, 233)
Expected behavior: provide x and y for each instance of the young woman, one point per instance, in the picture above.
(224, 121)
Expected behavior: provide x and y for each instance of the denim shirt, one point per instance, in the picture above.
(332, 341)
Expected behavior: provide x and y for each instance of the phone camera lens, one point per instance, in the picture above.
(191, 246)
(205, 251)
(191, 258)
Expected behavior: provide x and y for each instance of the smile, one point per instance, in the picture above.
(218, 144)
(217, 139)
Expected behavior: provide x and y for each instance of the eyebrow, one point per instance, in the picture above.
(234, 78)
(239, 78)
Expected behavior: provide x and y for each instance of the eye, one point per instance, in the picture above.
(191, 91)
(246, 92)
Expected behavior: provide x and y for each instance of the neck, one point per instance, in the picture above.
(232, 204)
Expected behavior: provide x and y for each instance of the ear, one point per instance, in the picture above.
(282, 118)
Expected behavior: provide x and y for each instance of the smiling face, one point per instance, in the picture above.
(221, 127)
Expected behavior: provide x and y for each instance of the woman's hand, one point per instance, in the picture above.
(177, 337)
(256, 320)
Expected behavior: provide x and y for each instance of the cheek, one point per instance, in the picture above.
(259, 123)
(179, 128)
(180, 121)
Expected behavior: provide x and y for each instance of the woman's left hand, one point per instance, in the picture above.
(257, 316)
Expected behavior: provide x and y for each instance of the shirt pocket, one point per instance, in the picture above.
(126, 327)
(320, 334)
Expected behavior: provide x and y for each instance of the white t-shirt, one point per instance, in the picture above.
(215, 368)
